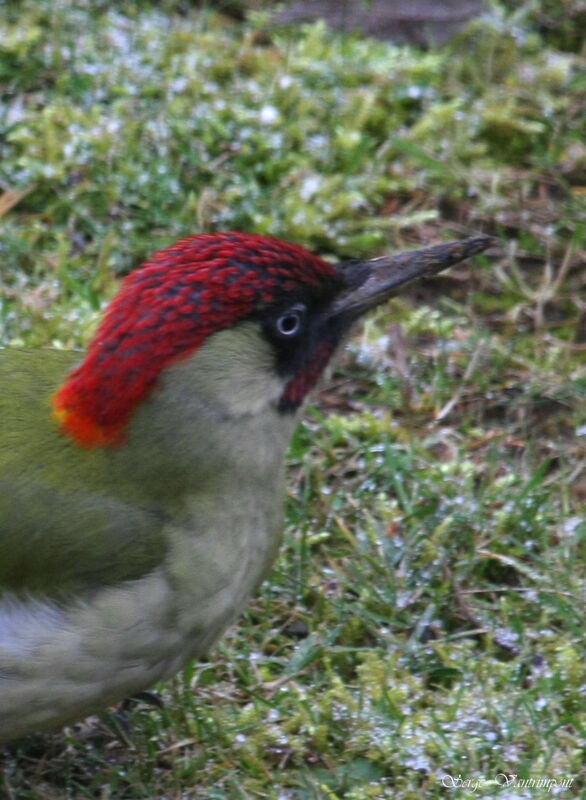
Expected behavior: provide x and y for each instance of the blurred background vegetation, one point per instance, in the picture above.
(426, 618)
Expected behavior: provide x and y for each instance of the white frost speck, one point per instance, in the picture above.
(571, 525)
(309, 186)
(269, 114)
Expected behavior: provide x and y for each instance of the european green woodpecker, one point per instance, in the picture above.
(141, 486)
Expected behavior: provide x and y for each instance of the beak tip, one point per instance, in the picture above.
(380, 278)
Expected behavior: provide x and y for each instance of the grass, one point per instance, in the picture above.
(422, 633)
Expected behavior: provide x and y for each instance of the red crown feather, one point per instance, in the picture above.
(164, 311)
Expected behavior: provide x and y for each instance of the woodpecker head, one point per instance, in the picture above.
(288, 309)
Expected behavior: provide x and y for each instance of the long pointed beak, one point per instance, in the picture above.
(372, 282)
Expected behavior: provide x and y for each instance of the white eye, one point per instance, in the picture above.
(290, 323)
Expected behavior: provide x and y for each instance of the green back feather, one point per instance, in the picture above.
(70, 519)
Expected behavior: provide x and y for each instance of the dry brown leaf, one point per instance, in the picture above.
(11, 198)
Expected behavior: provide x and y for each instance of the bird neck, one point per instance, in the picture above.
(213, 420)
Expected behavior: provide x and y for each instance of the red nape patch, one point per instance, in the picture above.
(164, 311)
(304, 381)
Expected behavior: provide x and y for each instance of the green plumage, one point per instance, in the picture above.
(65, 525)
(118, 564)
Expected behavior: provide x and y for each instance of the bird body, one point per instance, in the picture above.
(141, 486)
(129, 579)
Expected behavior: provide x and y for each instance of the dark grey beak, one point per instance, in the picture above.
(372, 282)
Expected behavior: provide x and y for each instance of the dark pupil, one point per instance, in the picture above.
(288, 324)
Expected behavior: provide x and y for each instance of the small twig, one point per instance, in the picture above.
(519, 590)
(8, 789)
(177, 746)
(563, 270)
(550, 286)
(271, 687)
(577, 346)
(443, 412)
